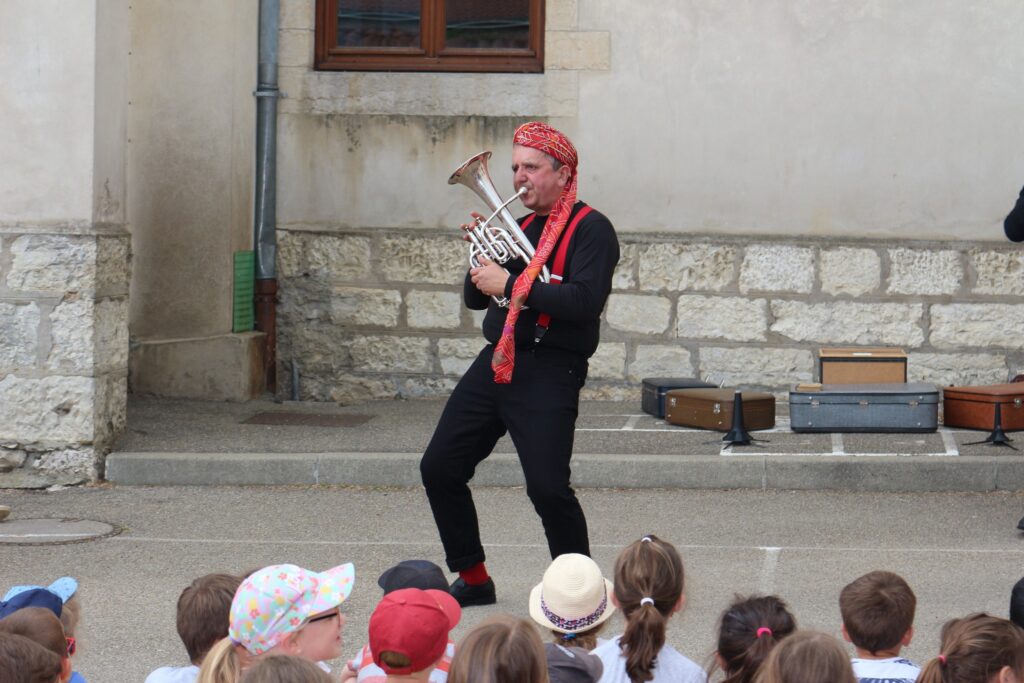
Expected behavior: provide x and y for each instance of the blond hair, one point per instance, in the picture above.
(222, 664)
(807, 657)
(502, 649)
(70, 614)
(285, 669)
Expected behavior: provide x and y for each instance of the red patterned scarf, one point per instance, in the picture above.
(552, 142)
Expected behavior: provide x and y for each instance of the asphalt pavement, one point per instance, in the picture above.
(959, 551)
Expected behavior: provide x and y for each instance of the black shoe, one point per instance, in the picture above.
(467, 595)
(1020, 524)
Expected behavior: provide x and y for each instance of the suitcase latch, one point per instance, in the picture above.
(815, 403)
(913, 404)
(717, 408)
(863, 404)
(672, 401)
(1016, 402)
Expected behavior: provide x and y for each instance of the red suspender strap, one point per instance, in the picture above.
(558, 268)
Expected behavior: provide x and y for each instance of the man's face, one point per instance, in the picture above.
(532, 169)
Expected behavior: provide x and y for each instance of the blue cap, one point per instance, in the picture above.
(63, 588)
(33, 597)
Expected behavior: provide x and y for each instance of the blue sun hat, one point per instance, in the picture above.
(63, 588)
(33, 597)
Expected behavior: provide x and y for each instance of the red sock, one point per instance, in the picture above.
(475, 575)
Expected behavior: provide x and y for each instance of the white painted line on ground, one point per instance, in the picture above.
(2, 536)
(631, 423)
(838, 448)
(613, 546)
(949, 441)
(771, 561)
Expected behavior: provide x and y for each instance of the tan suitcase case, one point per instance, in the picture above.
(975, 407)
(712, 409)
(849, 365)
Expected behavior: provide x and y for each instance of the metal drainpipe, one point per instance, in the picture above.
(265, 238)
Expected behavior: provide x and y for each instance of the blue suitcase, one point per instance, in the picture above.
(899, 407)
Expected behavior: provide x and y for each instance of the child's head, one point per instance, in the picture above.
(42, 626)
(22, 660)
(203, 612)
(65, 588)
(422, 574)
(748, 631)
(649, 589)
(502, 649)
(409, 629)
(285, 669)
(281, 609)
(878, 612)
(977, 649)
(1017, 603)
(807, 657)
(573, 600)
(31, 597)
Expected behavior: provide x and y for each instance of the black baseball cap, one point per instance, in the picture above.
(422, 574)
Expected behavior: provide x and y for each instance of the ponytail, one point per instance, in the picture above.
(648, 587)
(975, 647)
(931, 672)
(748, 631)
(221, 664)
(642, 641)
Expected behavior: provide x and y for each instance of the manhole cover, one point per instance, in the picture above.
(307, 419)
(54, 531)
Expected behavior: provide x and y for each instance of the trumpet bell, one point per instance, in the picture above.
(500, 241)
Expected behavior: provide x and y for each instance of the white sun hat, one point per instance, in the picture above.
(573, 596)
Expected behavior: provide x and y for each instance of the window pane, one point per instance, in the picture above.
(500, 24)
(378, 23)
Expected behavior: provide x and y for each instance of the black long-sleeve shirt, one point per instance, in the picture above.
(575, 305)
(1014, 223)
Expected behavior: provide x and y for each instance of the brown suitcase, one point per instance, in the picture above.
(712, 409)
(848, 365)
(975, 407)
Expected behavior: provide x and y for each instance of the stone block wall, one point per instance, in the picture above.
(63, 351)
(378, 313)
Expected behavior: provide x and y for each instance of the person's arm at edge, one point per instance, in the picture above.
(1014, 223)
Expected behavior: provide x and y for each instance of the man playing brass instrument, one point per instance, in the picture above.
(527, 379)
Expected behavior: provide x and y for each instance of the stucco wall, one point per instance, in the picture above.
(47, 57)
(849, 118)
(191, 142)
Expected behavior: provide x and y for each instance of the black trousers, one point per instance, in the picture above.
(538, 409)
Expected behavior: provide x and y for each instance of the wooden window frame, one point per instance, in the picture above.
(432, 56)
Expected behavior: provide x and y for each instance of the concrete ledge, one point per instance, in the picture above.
(227, 367)
(911, 473)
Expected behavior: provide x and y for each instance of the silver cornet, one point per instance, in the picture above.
(500, 242)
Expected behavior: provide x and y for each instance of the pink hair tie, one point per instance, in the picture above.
(764, 631)
(942, 660)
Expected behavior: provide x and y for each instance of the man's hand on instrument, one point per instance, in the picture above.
(490, 278)
(466, 227)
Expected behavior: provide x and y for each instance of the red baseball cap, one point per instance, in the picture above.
(414, 623)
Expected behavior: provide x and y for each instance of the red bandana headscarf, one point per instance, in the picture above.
(552, 142)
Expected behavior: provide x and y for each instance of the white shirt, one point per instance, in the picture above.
(670, 667)
(174, 674)
(891, 670)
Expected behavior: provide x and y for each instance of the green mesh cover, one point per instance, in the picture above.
(245, 273)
